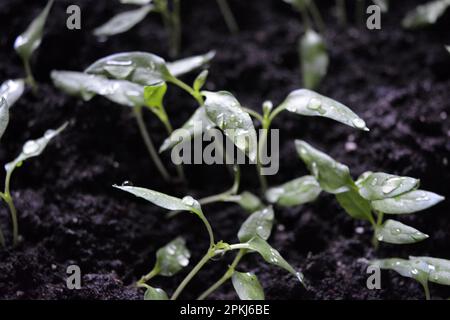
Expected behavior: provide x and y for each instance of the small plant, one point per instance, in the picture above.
(30, 40)
(425, 14)
(31, 148)
(12, 90)
(421, 269)
(252, 235)
(139, 81)
(369, 198)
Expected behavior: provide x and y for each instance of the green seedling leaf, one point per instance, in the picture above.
(417, 270)
(199, 82)
(247, 200)
(309, 103)
(258, 224)
(383, 4)
(30, 40)
(4, 115)
(439, 269)
(272, 256)
(224, 110)
(183, 66)
(409, 202)
(332, 176)
(173, 257)
(426, 14)
(33, 148)
(138, 67)
(355, 205)
(247, 286)
(195, 126)
(155, 294)
(379, 185)
(314, 59)
(300, 5)
(448, 48)
(154, 95)
(123, 22)
(12, 90)
(398, 233)
(87, 86)
(296, 192)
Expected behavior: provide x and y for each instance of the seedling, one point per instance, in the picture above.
(30, 40)
(425, 14)
(252, 236)
(31, 148)
(369, 198)
(421, 269)
(12, 90)
(139, 81)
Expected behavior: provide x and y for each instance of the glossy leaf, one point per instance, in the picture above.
(439, 269)
(272, 256)
(332, 176)
(379, 185)
(33, 148)
(383, 4)
(123, 22)
(355, 205)
(409, 202)
(30, 40)
(199, 82)
(425, 14)
(309, 103)
(247, 200)
(258, 224)
(155, 294)
(417, 270)
(225, 111)
(12, 90)
(247, 286)
(87, 86)
(183, 66)
(139, 67)
(4, 115)
(314, 59)
(154, 95)
(448, 48)
(296, 192)
(173, 257)
(398, 233)
(195, 126)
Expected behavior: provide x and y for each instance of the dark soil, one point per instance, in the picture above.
(398, 81)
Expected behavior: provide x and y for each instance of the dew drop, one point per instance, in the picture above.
(183, 261)
(30, 147)
(359, 123)
(396, 231)
(314, 104)
(189, 201)
(127, 184)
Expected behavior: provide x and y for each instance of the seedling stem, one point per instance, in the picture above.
(228, 16)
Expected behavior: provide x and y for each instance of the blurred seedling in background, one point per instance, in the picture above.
(30, 149)
(139, 80)
(30, 40)
(252, 235)
(426, 14)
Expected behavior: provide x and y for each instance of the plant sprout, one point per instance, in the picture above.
(370, 197)
(31, 148)
(12, 90)
(421, 269)
(30, 40)
(425, 14)
(150, 72)
(252, 236)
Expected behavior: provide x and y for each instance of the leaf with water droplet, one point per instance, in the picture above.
(155, 294)
(247, 200)
(314, 59)
(379, 185)
(200, 81)
(87, 86)
(12, 90)
(247, 286)
(425, 14)
(154, 95)
(173, 257)
(272, 256)
(139, 67)
(439, 269)
(224, 110)
(4, 115)
(259, 224)
(355, 205)
(309, 103)
(333, 177)
(195, 126)
(296, 192)
(123, 21)
(30, 40)
(398, 233)
(33, 148)
(410, 269)
(186, 65)
(409, 202)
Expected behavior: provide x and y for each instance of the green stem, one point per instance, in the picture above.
(148, 276)
(261, 145)
(29, 79)
(317, 16)
(427, 290)
(6, 196)
(342, 12)
(149, 143)
(226, 276)
(360, 12)
(2, 239)
(254, 114)
(306, 18)
(228, 15)
(197, 96)
(175, 30)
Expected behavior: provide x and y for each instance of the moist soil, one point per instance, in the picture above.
(398, 81)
